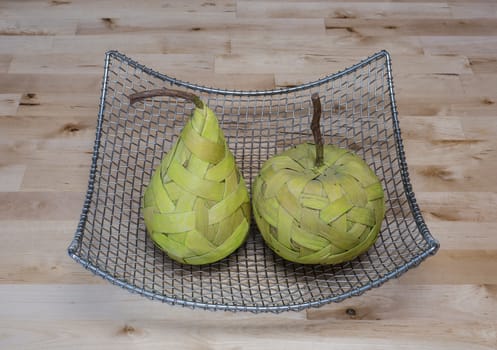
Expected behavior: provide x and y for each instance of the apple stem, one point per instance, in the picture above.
(138, 96)
(316, 129)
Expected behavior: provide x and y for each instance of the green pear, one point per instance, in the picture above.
(317, 204)
(196, 207)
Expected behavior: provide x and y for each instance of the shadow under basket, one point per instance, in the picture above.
(359, 113)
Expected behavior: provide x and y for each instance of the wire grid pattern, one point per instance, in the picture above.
(359, 113)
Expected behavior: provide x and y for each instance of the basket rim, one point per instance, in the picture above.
(433, 244)
(235, 92)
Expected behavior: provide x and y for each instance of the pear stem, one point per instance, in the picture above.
(138, 96)
(316, 129)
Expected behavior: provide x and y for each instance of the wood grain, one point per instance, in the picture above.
(98, 310)
(444, 56)
(9, 104)
(278, 9)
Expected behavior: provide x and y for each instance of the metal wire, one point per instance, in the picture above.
(359, 112)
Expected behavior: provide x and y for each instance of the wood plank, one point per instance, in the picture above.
(93, 64)
(393, 27)
(447, 176)
(448, 127)
(44, 171)
(459, 206)
(11, 176)
(47, 136)
(397, 302)
(40, 151)
(53, 107)
(483, 46)
(129, 334)
(200, 23)
(425, 128)
(426, 85)
(479, 127)
(29, 83)
(5, 63)
(18, 44)
(468, 10)
(446, 105)
(9, 104)
(273, 9)
(396, 317)
(427, 95)
(483, 86)
(455, 267)
(45, 176)
(463, 235)
(466, 153)
(482, 65)
(45, 257)
(37, 25)
(131, 43)
(75, 9)
(469, 138)
(40, 205)
(56, 64)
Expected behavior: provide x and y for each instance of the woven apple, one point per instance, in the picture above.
(318, 204)
(196, 207)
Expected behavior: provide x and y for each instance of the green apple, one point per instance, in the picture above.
(316, 204)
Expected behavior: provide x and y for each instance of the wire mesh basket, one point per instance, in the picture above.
(359, 113)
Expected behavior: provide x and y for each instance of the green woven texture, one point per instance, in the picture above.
(196, 207)
(318, 215)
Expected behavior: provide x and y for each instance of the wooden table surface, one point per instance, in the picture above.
(445, 71)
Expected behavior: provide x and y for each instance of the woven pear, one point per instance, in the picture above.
(196, 207)
(318, 204)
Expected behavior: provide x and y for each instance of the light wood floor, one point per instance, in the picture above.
(445, 71)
